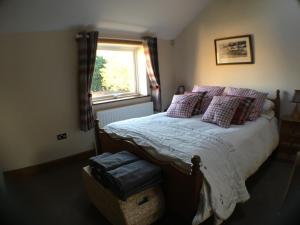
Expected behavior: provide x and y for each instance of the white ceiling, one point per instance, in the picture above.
(165, 18)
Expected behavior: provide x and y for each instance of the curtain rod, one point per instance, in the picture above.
(120, 41)
(120, 38)
(114, 39)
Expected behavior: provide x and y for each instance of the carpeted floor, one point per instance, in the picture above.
(57, 197)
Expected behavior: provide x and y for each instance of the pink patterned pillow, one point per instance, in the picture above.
(243, 111)
(182, 106)
(221, 110)
(197, 107)
(211, 91)
(258, 102)
(205, 103)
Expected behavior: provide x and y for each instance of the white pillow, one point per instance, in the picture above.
(268, 106)
(268, 115)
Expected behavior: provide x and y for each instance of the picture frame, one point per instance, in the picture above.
(234, 50)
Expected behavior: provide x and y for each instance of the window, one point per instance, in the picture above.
(120, 70)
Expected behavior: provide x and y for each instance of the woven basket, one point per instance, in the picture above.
(143, 208)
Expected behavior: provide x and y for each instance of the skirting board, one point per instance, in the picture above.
(31, 170)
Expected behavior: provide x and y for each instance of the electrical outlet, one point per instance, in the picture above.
(61, 136)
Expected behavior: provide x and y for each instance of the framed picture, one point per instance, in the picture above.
(234, 50)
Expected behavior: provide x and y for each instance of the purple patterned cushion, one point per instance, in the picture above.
(243, 111)
(221, 110)
(197, 107)
(211, 91)
(205, 103)
(182, 105)
(258, 102)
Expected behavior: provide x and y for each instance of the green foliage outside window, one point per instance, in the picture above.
(97, 80)
(113, 74)
(117, 76)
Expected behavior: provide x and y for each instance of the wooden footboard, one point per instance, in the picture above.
(181, 190)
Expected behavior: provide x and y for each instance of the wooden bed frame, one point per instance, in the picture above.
(181, 190)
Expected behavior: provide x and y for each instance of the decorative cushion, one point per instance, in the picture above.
(221, 110)
(258, 102)
(243, 111)
(205, 103)
(197, 107)
(182, 106)
(211, 91)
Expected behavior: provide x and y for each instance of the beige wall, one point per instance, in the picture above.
(38, 95)
(274, 25)
(167, 73)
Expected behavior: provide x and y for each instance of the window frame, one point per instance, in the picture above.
(122, 45)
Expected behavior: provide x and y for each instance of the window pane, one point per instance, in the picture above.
(114, 72)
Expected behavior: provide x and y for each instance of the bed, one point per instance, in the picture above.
(205, 167)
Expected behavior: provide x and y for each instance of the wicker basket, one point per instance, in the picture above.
(143, 208)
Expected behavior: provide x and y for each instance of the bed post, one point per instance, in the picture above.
(196, 160)
(197, 182)
(277, 104)
(97, 138)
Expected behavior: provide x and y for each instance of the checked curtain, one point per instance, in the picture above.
(87, 46)
(151, 55)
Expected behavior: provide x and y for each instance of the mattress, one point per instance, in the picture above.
(229, 156)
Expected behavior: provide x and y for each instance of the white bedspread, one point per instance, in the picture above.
(228, 156)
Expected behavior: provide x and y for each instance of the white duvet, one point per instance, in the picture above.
(228, 156)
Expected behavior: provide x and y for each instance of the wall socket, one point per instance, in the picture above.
(61, 136)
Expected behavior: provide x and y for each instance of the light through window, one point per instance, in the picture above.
(119, 71)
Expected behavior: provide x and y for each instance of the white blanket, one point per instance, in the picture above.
(228, 156)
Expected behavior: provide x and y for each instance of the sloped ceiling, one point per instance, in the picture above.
(165, 18)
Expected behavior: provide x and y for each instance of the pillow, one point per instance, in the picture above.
(182, 106)
(221, 110)
(268, 115)
(211, 92)
(268, 106)
(243, 110)
(258, 102)
(197, 107)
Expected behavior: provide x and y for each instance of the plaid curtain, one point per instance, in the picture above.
(87, 46)
(151, 55)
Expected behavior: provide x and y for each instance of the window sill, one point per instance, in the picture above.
(106, 101)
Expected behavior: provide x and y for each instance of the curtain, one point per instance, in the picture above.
(151, 55)
(87, 46)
